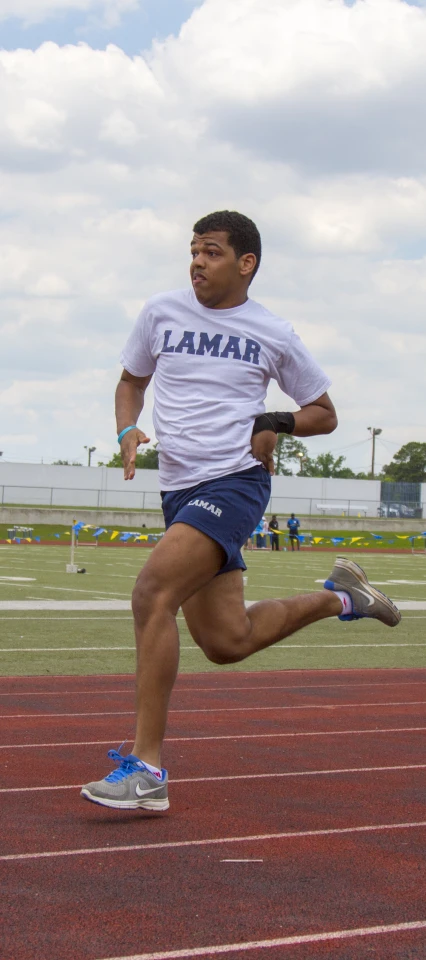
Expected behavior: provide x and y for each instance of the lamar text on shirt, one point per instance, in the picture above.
(205, 345)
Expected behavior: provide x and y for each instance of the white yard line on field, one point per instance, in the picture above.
(24, 605)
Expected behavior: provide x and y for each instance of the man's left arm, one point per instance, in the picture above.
(315, 418)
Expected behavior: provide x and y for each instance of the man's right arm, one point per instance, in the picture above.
(129, 400)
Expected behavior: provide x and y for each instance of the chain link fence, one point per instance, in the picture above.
(151, 500)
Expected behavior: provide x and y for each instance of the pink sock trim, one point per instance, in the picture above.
(346, 601)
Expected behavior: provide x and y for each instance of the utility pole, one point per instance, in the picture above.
(375, 432)
(90, 450)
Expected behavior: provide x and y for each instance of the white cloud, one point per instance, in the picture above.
(35, 11)
(307, 115)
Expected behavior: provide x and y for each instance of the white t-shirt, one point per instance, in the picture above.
(212, 369)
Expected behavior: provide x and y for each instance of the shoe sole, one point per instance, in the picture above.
(146, 804)
(359, 575)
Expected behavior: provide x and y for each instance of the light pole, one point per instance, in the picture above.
(90, 450)
(302, 458)
(375, 432)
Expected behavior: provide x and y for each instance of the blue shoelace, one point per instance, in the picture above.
(127, 766)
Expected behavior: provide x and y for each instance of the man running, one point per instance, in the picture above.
(212, 352)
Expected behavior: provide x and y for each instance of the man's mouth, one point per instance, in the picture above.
(197, 279)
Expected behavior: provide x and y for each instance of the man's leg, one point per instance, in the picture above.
(228, 632)
(183, 562)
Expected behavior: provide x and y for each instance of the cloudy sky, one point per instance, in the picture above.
(123, 121)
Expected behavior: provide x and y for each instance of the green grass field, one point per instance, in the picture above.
(84, 641)
(351, 538)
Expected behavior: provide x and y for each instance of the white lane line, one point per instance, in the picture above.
(240, 736)
(58, 649)
(242, 776)
(215, 841)
(101, 605)
(195, 649)
(27, 579)
(389, 583)
(305, 706)
(218, 689)
(292, 941)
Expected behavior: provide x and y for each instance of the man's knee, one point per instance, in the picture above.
(223, 649)
(150, 593)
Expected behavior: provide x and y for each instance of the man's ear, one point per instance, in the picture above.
(248, 263)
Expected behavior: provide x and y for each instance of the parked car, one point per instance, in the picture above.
(396, 510)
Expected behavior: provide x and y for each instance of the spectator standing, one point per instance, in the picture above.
(273, 527)
(293, 529)
(258, 533)
(265, 533)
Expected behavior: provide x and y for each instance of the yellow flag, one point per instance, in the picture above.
(402, 537)
(317, 539)
(28, 539)
(355, 539)
(8, 541)
(114, 534)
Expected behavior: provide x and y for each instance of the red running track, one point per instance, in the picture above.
(297, 824)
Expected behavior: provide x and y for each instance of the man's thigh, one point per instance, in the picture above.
(182, 563)
(217, 610)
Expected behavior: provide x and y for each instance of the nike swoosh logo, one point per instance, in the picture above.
(369, 598)
(143, 793)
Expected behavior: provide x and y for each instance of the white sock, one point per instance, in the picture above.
(346, 601)
(154, 770)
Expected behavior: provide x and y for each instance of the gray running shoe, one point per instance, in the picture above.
(366, 601)
(131, 786)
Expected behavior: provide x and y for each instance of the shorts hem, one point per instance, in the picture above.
(208, 533)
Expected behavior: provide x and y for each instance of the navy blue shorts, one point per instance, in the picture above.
(227, 509)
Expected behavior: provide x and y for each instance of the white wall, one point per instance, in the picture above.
(77, 486)
(318, 496)
(42, 484)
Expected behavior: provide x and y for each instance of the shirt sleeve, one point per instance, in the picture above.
(137, 356)
(299, 375)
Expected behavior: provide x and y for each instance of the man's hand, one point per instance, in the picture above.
(262, 447)
(129, 448)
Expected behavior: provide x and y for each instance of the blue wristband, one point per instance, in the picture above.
(123, 432)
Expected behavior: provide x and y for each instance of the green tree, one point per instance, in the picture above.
(325, 465)
(146, 460)
(288, 450)
(408, 464)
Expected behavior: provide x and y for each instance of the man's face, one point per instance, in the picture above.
(217, 275)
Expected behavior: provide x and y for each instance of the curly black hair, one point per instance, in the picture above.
(243, 235)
